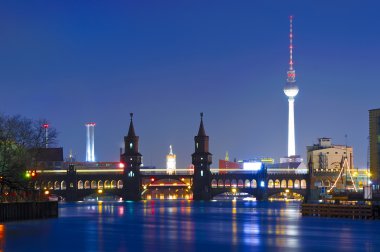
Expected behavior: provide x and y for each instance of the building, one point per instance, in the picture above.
(374, 145)
(48, 158)
(171, 161)
(326, 160)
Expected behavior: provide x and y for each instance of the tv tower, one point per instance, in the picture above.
(90, 145)
(291, 91)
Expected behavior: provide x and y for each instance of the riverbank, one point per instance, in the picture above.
(16, 211)
(359, 211)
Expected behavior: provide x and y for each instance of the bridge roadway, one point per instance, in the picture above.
(76, 184)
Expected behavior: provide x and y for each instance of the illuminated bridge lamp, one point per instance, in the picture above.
(100, 191)
(121, 165)
(46, 192)
(152, 179)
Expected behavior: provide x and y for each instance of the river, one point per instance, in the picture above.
(188, 226)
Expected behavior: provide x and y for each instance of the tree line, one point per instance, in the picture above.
(21, 139)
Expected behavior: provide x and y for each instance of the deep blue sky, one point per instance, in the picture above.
(78, 61)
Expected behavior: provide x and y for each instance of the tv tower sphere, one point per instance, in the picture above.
(291, 89)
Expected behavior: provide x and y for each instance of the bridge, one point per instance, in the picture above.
(130, 181)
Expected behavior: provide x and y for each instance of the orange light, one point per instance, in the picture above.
(46, 192)
(182, 179)
(33, 173)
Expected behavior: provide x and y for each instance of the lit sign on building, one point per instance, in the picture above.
(252, 166)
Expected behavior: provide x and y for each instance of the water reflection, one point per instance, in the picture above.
(188, 226)
(2, 237)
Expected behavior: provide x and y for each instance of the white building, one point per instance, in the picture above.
(171, 161)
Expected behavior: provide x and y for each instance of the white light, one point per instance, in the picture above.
(90, 145)
(291, 130)
(252, 166)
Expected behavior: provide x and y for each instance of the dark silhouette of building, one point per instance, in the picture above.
(132, 161)
(201, 159)
(374, 144)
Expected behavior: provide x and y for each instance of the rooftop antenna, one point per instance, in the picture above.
(46, 127)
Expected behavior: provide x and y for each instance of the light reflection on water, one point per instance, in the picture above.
(188, 226)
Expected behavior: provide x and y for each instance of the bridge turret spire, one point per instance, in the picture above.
(131, 131)
(201, 131)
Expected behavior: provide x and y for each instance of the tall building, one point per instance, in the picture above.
(171, 161)
(291, 91)
(90, 142)
(374, 145)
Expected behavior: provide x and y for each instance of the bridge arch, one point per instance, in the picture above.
(303, 184)
(240, 183)
(63, 185)
(100, 184)
(290, 183)
(80, 184)
(296, 184)
(214, 184)
(37, 185)
(247, 183)
(57, 185)
(233, 183)
(220, 183)
(253, 183)
(113, 184)
(87, 184)
(283, 183)
(93, 184)
(277, 183)
(270, 183)
(50, 185)
(227, 183)
(120, 184)
(107, 184)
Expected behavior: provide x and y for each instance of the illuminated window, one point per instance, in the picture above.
(130, 146)
(197, 145)
(201, 173)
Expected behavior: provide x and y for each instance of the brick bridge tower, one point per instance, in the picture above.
(132, 160)
(201, 159)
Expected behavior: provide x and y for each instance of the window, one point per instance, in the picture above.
(201, 173)
(130, 146)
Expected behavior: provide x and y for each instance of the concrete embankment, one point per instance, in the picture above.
(16, 211)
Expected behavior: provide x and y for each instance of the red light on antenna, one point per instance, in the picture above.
(45, 125)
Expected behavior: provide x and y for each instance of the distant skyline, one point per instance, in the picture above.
(74, 62)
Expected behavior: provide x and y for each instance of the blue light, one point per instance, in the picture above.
(262, 184)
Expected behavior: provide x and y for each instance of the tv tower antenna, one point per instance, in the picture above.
(291, 72)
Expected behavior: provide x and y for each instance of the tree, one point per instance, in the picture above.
(20, 140)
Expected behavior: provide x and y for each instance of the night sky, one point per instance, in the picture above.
(73, 62)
